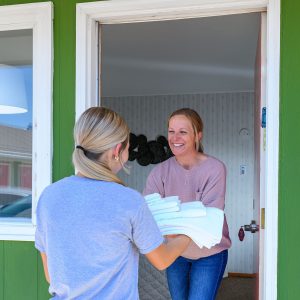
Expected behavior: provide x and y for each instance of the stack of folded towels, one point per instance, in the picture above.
(202, 224)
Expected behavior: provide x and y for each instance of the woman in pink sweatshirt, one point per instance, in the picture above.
(193, 176)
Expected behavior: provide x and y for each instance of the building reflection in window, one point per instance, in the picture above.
(16, 129)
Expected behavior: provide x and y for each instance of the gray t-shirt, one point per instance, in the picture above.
(92, 232)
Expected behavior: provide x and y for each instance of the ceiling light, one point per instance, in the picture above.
(13, 98)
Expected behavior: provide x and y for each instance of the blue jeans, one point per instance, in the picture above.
(196, 279)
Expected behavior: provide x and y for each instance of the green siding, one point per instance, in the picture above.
(2, 270)
(289, 168)
(21, 273)
(20, 260)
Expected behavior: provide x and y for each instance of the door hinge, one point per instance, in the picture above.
(262, 218)
(264, 117)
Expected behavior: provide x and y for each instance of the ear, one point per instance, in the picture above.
(116, 150)
(199, 135)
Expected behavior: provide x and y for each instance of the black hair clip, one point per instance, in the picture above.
(88, 154)
(80, 147)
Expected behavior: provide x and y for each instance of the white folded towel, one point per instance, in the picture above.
(164, 205)
(204, 225)
(197, 209)
(204, 231)
(165, 211)
(152, 197)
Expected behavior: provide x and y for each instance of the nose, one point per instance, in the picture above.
(176, 136)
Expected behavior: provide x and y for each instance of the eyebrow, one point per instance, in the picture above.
(183, 128)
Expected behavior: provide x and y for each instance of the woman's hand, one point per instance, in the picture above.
(172, 236)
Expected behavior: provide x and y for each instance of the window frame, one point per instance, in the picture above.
(38, 17)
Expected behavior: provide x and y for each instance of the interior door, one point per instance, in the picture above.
(259, 156)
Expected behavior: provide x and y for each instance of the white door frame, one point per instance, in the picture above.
(129, 11)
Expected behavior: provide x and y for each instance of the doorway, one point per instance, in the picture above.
(150, 69)
(114, 12)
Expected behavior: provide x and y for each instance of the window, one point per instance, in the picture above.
(25, 115)
(16, 123)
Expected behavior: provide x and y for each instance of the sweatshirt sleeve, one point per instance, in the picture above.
(214, 191)
(154, 183)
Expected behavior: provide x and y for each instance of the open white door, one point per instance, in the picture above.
(260, 156)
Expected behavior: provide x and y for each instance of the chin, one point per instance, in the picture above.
(179, 153)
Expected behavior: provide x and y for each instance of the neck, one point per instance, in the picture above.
(79, 174)
(189, 161)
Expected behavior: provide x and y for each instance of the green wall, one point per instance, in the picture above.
(21, 275)
(289, 168)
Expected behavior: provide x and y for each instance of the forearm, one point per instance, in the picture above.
(45, 265)
(166, 253)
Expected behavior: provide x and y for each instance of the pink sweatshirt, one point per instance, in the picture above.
(204, 182)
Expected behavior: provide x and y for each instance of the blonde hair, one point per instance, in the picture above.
(195, 120)
(97, 130)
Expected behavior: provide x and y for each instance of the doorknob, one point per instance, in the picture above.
(253, 227)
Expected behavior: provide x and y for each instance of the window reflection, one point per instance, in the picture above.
(16, 129)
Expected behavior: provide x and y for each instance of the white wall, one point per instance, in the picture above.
(224, 115)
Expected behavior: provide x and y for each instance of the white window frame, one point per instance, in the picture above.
(128, 11)
(38, 17)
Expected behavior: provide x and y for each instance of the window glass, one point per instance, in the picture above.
(16, 123)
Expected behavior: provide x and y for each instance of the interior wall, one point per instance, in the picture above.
(228, 135)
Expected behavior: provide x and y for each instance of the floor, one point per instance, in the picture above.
(236, 288)
(153, 285)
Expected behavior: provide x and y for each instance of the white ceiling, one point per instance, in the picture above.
(213, 54)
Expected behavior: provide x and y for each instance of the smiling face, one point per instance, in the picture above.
(181, 136)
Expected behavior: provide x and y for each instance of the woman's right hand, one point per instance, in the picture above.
(172, 236)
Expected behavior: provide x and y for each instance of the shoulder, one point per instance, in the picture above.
(127, 196)
(54, 187)
(126, 191)
(216, 163)
(50, 193)
(214, 167)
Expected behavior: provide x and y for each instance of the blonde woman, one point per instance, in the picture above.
(90, 227)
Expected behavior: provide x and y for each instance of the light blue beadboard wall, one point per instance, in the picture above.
(224, 115)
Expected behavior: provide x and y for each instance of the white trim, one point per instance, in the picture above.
(38, 17)
(272, 149)
(128, 11)
(86, 68)
(13, 229)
